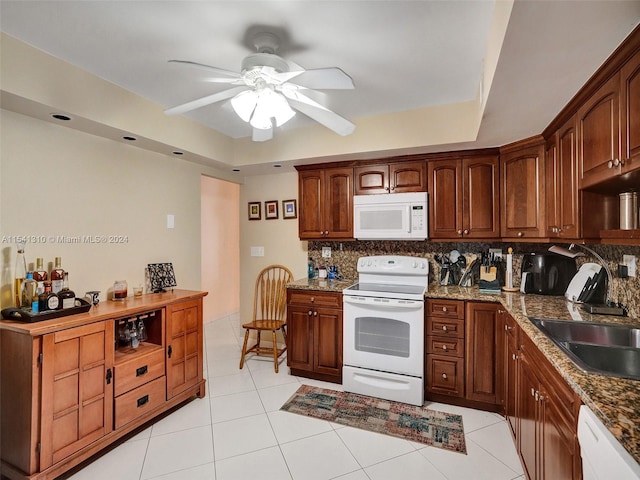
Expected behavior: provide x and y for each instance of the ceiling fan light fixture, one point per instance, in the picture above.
(244, 104)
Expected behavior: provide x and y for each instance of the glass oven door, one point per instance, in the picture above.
(384, 334)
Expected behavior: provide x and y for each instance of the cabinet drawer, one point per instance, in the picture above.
(443, 326)
(445, 308)
(139, 370)
(445, 375)
(449, 346)
(315, 298)
(137, 402)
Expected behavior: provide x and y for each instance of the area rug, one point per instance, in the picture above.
(418, 424)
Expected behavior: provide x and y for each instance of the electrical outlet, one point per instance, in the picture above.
(326, 252)
(630, 262)
(497, 253)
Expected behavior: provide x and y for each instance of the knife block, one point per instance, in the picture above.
(491, 278)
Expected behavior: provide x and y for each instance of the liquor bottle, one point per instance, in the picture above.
(47, 299)
(28, 293)
(40, 275)
(19, 276)
(67, 297)
(57, 276)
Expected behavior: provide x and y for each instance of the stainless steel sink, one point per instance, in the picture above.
(612, 350)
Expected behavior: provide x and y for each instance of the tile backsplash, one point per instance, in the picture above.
(345, 255)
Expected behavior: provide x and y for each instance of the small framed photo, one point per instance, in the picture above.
(255, 212)
(289, 209)
(271, 210)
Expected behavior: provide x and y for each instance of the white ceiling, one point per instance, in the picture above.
(402, 55)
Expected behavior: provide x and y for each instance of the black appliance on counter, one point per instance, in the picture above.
(546, 273)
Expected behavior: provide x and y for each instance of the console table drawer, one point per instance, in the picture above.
(137, 402)
(138, 371)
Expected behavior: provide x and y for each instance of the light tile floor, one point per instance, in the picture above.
(237, 432)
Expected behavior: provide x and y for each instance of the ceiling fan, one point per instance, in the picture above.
(264, 95)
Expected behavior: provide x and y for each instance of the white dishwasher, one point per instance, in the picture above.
(603, 457)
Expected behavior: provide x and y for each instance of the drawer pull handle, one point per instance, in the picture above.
(444, 375)
(444, 309)
(142, 370)
(444, 327)
(444, 347)
(143, 400)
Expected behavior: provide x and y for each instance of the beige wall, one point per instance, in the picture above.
(58, 182)
(220, 245)
(278, 237)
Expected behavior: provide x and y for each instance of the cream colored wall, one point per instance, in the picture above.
(58, 183)
(220, 247)
(278, 237)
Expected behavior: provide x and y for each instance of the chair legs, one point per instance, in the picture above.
(257, 349)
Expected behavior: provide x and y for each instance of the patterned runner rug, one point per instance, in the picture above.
(418, 424)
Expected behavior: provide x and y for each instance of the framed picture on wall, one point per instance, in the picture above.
(255, 211)
(289, 209)
(271, 210)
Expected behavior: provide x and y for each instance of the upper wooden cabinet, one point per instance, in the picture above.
(630, 114)
(599, 134)
(522, 198)
(464, 198)
(326, 204)
(391, 178)
(562, 195)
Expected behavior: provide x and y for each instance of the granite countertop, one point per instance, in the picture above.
(615, 401)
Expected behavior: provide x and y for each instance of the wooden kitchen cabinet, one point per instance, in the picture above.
(508, 336)
(397, 177)
(445, 348)
(546, 418)
(630, 116)
(465, 198)
(481, 352)
(562, 195)
(326, 204)
(523, 182)
(314, 334)
(599, 134)
(70, 388)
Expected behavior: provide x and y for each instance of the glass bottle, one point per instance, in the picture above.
(20, 274)
(142, 331)
(135, 340)
(28, 293)
(47, 299)
(67, 297)
(57, 276)
(120, 290)
(40, 274)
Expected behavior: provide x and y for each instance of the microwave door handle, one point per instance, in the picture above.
(408, 212)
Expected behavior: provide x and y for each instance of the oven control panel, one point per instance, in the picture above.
(393, 264)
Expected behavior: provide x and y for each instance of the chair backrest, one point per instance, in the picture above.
(270, 296)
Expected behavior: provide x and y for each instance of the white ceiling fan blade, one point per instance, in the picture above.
(325, 79)
(319, 113)
(262, 134)
(220, 71)
(230, 81)
(208, 100)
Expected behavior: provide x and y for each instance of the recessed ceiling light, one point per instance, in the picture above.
(129, 139)
(60, 116)
(277, 165)
(236, 169)
(178, 152)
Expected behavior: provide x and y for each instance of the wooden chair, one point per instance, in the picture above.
(269, 311)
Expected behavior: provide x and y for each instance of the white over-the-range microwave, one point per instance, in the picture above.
(391, 216)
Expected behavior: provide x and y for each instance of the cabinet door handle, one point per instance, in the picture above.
(537, 395)
(393, 188)
(315, 314)
(507, 328)
(533, 392)
(514, 356)
(109, 376)
(143, 400)
(142, 370)
(444, 375)
(610, 164)
(309, 313)
(459, 232)
(521, 234)
(169, 351)
(465, 231)
(616, 162)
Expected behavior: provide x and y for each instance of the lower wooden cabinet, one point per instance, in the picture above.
(546, 415)
(70, 387)
(481, 352)
(314, 334)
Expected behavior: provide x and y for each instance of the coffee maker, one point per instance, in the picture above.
(546, 273)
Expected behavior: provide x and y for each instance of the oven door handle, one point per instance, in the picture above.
(386, 303)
